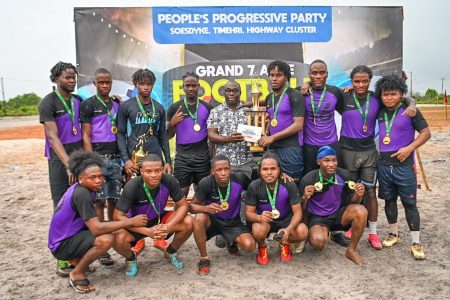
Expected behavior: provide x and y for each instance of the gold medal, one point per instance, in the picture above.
(274, 123)
(386, 140)
(318, 186)
(197, 128)
(351, 184)
(224, 205)
(74, 130)
(275, 213)
(114, 129)
(365, 128)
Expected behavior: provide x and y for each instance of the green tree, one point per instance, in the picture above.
(431, 93)
(30, 99)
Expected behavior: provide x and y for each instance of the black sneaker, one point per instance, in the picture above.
(220, 241)
(233, 249)
(339, 239)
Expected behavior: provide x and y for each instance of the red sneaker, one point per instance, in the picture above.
(374, 241)
(285, 253)
(348, 234)
(263, 257)
(140, 245)
(160, 244)
(203, 267)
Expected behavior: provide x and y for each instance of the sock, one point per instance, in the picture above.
(372, 227)
(132, 257)
(393, 228)
(335, 232)
(170, 249)
(415, 235)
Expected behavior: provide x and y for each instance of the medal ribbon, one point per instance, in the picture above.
(275, 108)
(70, 111)
(149, 120)
(221, 197)
(314, 109)
(364, 114)
(325, 181)
(152, 202)
(193, 116)
(388, 123)
(272, 198)
(110, 115)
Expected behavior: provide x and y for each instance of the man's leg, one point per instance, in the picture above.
(200, 226)
(260, 232)
(246, 242)
(299, 234)
(100, 208)
(355, 214)
(122, 245)
(183, 231)
(318, 236)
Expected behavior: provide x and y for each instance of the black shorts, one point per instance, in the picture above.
(363, 164)
(332, 222)
(75, 246)
(310, 156)
(139, 236)
(277, 224)
(191, 170)
(229, 229)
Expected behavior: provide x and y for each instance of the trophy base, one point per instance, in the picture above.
(256, 149)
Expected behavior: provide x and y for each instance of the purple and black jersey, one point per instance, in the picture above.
(134, 200)
(323, 132)
(93, 112)
(292, 105)
(332, 196)
(402, 134)
(73, 210)
(208, 193)
(52, 110)
(352, 135)
(287, 196)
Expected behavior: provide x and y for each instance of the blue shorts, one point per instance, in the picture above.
(291, 159)
(397, 181)
(112, 172)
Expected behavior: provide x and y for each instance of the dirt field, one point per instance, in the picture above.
(27, 267)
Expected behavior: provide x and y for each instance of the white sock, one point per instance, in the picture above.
(335, 232)
(415, 235)
(373, 227)
(393, 228)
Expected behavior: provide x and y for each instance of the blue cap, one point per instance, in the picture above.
(325, 151)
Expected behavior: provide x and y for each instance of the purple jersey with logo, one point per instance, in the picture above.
(185, 129)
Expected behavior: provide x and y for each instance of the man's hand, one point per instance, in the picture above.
(130, 167)
(72, 178)
(213, 208)
(286, 178)
(309, 191)
(266, 141)
(235, 137)
(265, 217)
(177, 117)
(410, 111)
(304, 89)
(359, 189)
(402, 153)
(287, 232)
(167, 168)
(117, 99)
(139, 220)
(161, 232)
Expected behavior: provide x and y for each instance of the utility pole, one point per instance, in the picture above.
(410, 84)
(4, 100)
(442, 86)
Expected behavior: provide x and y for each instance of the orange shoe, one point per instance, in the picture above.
(348, 234)
(139, 247)
(160, 244)
(374, 241)
(263, 257)
(285, 253)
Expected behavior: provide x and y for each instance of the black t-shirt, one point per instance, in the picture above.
(83, 203)
(130, 117)
(208, 188)
(198, 147)
(51, 108)
(297, 103)
(91, 108)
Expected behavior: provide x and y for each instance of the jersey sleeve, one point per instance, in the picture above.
(297, 103)
(340, 105)
(86, 111)
(419, 123)
(46, 110)
(83, 203)
(174, 188)
(126, 199)
(294, 196)
(252, 194)
(203, 189)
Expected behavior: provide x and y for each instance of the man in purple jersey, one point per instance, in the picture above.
(217, 203)
(396, 175)
(76, 234)
(325, 194)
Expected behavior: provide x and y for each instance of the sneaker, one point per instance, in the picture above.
(417, 251)
(263, 257)
(132, 267)
(285, 253)
(106, 260)
(298, 247)
(63, 268)
(339, 239)
(391, 240)
(203, 266)
(177, 263)
(374, 241)
(139, 247)
(160, 244)
(348, 234)
(233, 249)
(220, 242)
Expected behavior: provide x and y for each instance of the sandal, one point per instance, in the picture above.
(75, 284)
(106, 260)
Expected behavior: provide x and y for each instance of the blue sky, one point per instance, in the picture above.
(37, 34)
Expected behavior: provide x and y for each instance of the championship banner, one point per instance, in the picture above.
(223, 43)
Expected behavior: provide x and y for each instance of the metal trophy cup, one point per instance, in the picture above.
(138, 154)
(256, 116)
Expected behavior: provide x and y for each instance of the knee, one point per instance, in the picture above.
(317, 240)
(358, 210)
(105, 241)
(302, 231)
(200, 219)
(188, 222)
(260, 230)
(248, 244)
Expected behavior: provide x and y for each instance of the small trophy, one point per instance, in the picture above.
(256, 116)
(138, 155)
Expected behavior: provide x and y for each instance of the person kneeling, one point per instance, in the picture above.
(274, 206)
(217, 203)
(324, 196)
(75, 232)
(149, 194)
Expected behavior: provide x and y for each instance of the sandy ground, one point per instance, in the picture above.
(27, 267)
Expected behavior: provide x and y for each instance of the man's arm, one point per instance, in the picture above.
(86, 130)
(410, 110)
(164, 142)
(358, 195)
(405, 152)
(216, 138)
(98, 228)
(294, 128)
(122, 120)
(51, 131)
(173, 119)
